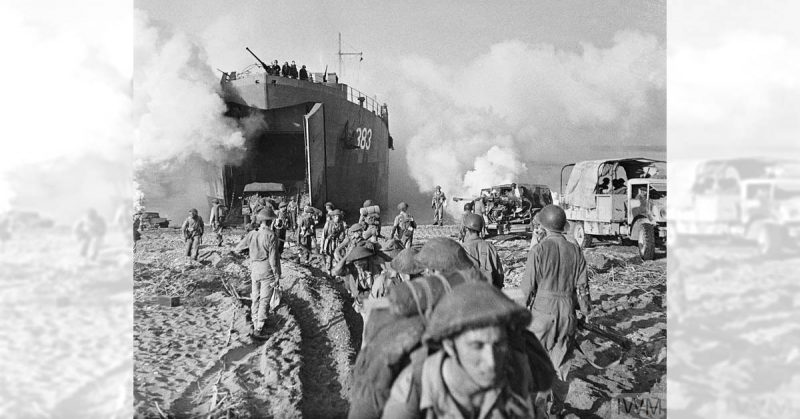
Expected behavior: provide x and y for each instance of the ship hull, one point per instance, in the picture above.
(311, 138)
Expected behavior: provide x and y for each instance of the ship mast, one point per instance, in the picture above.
(342, 54)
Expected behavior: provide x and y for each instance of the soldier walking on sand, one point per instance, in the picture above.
(306, 233)
(291, 211)
(404, 226)
(215, 219)
(280, 225)
(482, 252)
(438, 202)
(265, 269)
(554, 281)
(333, 234)
(192, 229)
(462, 231)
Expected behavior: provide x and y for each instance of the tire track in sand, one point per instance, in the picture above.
(326, 349)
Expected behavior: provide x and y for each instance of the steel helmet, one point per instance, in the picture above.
(473, 222)
(444, 254)
(265, 215)
(358, 253)
(368, 203)
(402, 206)
(438, 187)
(469, 206)
(329, 204)
(356, 228)
(552, 217)
(405, 262)
(472, 305)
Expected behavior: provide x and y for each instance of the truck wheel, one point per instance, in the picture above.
(584, 240)
(647, 242)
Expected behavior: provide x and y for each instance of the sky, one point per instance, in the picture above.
(478, 94)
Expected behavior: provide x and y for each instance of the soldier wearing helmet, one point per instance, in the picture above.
(306, 232)
(215, 219)
(554, 280)
(360, 267)
(333, 234)
(444, 256)
(192, 229)
(469, 208)
(265, 268)
(483, 252)
(478, 371)
(438, 202)
(404, 226)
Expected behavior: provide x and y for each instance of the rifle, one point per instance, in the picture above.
(263, 64)
(607, 333)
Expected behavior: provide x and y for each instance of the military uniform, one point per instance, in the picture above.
(437, 203)
(554, 280)
(487, 259)
(440, 386)
(265, 271)
(192, 229)
(215, 219)
(403, 229)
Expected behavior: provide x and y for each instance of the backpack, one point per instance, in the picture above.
(393, 340)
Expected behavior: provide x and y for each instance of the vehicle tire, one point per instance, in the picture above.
(584, 240)
(647, 241)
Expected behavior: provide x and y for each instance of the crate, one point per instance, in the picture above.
(168, 301)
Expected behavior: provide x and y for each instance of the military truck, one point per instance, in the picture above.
(623, 199)
(754, 199)
(153, 220)
(510, 207)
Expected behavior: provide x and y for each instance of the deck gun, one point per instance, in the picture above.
(263, 64)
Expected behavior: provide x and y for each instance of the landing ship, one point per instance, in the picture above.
(323, 140)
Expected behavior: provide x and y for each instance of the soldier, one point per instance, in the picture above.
(280, 224)
(538, 232)
(215, 219)
(403, 267)
(291, 211)
(483, 252)
(360, 267)
(479, 206)
(333, 234)
(477, 372)
(462, 231)
(192, 229)
(362, 218)
(90, 231)
(404, 226)
(354, 237)
(444, 256)
(265, 269)
(554, 280)
(438, 202)
(306, 233)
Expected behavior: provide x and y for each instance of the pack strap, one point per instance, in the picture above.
(445, 283)
(415, 296)
(429, 295)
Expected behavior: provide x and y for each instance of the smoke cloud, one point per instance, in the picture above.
(520, 111)
(181, 133)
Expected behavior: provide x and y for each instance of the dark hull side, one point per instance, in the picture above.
(312, 139)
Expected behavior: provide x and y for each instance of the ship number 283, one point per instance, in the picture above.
(364, 138)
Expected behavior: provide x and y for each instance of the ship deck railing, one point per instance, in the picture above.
(314, 82)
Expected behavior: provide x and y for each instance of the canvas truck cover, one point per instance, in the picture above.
(263, 187)
(582, 181)
(585, 175)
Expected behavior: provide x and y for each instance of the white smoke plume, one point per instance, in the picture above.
(180, 128)
(520, 111)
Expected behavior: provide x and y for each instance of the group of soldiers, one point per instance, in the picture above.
(476, 372)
